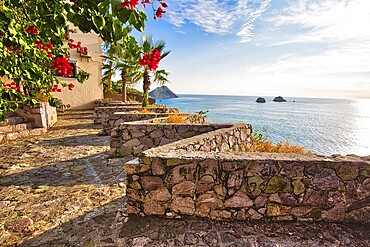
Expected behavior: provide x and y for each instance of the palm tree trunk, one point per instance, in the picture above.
(109, 79)
(146, 88)
(124, 82)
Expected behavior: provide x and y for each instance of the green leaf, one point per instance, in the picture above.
(117, 33)
(123, 15)
(99, 22)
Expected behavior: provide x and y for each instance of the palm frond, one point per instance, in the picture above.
(160, 76)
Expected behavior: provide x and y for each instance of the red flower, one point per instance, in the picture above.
(50, 45)
(62, 66)
(66, 36)
(13, 86)
(71, 40)
(32, 30)
(71, 45)
(145, 2)
(55, 89)
(50, 54)
(151, 60)
(10, 48)
(131, 4)
(164, 5)
(59, 90)
(70, 86)
(159, 13)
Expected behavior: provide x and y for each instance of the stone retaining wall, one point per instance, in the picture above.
(42, 116)
(101, 114)
(132, 138)
(120, 117)
(234, 138)
(174, 182)
(102, 103)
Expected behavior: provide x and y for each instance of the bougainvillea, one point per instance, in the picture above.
(33, 38)
(62, 66)
(151, 60)
(131, 4)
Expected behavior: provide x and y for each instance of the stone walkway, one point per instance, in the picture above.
(60, 189)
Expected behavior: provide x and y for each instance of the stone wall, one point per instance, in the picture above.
(26, 122)
(232, 138)
(102, 103)
(248, 186)
(132, 138)
(120, 117)
(43, 116)
(101, 114)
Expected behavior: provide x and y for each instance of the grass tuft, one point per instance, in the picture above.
(176, 119)
(262, 144)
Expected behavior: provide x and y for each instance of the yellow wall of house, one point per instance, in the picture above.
(83, 95)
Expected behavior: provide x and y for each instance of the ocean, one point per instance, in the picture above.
(324, 126)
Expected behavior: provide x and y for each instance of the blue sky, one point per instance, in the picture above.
(310, 48)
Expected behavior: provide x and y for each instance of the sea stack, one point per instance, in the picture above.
(279, 99)
(260, 100)
(162, 93)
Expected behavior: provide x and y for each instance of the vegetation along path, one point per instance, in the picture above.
(60, 189)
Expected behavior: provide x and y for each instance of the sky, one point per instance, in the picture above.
(302, 48)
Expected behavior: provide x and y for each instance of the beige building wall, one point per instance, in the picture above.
(83, 95)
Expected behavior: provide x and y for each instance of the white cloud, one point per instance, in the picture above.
(219, 17)
(326, 20)
(332, 35)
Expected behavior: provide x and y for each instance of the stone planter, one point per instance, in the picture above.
(43, 116)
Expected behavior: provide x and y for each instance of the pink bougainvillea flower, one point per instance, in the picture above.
(151, 60)
(159, 13)
(31, 29)
(131, 4)
(62, 66)
(144, 2)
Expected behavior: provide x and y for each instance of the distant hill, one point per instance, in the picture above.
(162, 92)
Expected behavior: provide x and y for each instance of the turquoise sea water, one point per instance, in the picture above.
(325, 126)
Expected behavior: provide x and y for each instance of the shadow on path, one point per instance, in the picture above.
(109, 226)
(93, 170)
(78, 140)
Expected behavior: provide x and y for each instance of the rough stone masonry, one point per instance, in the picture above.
(211, 176)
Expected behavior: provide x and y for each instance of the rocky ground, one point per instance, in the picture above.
(60, 189)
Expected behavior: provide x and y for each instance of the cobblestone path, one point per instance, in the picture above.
(60, 189)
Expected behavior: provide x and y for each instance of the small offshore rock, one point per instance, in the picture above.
(279, 99)
(261, 100)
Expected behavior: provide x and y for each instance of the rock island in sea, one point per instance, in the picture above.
(162, 92)
(279, 99)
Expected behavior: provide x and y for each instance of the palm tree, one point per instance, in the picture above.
(145, 72)
(123, 58)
